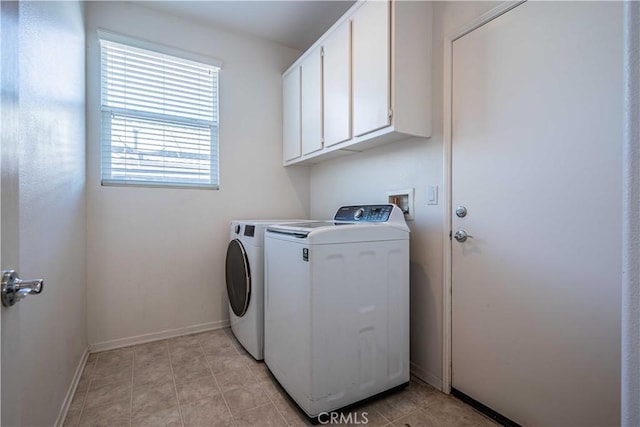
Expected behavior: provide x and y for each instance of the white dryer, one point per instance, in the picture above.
(244, 269)
(337, 307)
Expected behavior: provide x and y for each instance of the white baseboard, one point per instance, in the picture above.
(426, 376)
(66, 403)
(156, 336)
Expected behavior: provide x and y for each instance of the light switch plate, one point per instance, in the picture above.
(432, 195)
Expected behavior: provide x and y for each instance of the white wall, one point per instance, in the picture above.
(52, 222)
(155, 257)
(413, 163)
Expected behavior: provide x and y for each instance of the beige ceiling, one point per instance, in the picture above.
(292, 23)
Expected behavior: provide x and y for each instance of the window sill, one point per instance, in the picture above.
(148, 184)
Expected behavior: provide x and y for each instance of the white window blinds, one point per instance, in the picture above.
(159, 119)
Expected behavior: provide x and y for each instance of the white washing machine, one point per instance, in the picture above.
(337, 307)
(245, 282)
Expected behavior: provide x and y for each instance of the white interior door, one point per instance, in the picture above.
(43, 206)
(10, 374)
(536, 155)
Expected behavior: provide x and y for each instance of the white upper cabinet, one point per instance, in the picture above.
(291, 114)
(312, 102)
(337, 85)
(371, 67)
(365, 82)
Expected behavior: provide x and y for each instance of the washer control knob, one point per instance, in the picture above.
(238, 229)
(358, 214)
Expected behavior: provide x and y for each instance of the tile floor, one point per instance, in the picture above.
(209, 380)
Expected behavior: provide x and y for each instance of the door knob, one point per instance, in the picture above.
(14, 288)
(461, 236)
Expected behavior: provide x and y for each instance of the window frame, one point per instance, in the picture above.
(107, 112)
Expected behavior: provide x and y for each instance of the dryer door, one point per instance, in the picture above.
(238, 278)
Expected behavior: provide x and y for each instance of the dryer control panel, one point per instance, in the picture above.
(365, 213)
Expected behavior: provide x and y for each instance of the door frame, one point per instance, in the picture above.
(1, 265)
(630, 375)
(447, 168)
(630, 212)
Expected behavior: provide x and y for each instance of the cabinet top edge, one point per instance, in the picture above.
(345, 17)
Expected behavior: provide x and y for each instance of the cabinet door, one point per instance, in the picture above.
(371, 67)
(337, 85)
(291, 114)
(312, 102)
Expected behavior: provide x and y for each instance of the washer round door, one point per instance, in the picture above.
(238, 278)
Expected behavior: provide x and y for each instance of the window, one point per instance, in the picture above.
(159, 116)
